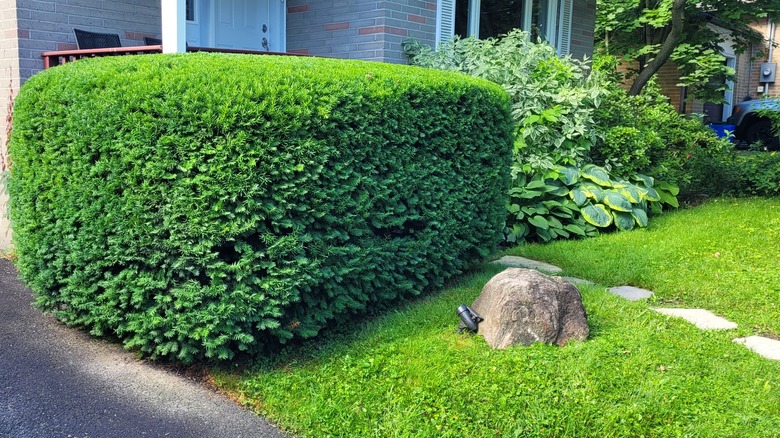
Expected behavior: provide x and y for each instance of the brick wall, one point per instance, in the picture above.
(584, 17)
(48, 25)
(9, 64)
(359, 29)
(750, 74)
(9, 85)
(668, 77)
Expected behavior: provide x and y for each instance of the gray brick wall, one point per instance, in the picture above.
(47, 25)
(358, 29)
(583, 21)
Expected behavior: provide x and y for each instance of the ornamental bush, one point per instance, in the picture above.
(645, 134)
(203, 204)
(553, 98)
(555, 104)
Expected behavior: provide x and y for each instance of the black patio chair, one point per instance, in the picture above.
(95, 40)
(151, 41)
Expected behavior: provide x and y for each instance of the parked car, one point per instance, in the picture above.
(751, 126)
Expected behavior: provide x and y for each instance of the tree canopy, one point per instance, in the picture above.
(688, 32)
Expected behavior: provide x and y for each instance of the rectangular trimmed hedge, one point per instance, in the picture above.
(203, 204)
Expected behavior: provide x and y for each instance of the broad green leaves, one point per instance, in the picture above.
(597, 214)
(616, 201)
(553, 98)
(570, 202)
(597, 175)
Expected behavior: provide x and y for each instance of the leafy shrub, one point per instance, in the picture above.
(572, 202)
(645, 134)
(554, 103)
(553, 99)
(759, 175)
(742, 174)
(200, 205)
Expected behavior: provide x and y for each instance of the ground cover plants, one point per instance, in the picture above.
(409, 373)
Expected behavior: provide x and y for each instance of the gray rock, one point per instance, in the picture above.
(523, 306)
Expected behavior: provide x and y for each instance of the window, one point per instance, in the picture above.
(549, 20)
(190, 10)
(496, 17)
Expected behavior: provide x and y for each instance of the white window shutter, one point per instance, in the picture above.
(564, 27)
(445, 21)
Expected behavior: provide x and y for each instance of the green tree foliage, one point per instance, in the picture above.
(200, 205)
(651, 32)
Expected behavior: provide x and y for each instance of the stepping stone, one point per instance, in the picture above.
(522, 262)
(769, 348)
(631, 293)
(575, 281)
(703, 319)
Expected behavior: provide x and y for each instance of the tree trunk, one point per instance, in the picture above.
(668, 46)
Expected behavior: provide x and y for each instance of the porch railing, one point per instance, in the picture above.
(59, 57)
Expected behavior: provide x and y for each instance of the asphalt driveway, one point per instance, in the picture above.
(59, 382)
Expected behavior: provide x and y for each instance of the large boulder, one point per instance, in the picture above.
(523, 306)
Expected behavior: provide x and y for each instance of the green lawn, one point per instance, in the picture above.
(723, 256)
(409, 373)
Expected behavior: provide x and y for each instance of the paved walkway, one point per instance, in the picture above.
(701, 318)
(59, 382)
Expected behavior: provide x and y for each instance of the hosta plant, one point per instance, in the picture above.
(579, 202)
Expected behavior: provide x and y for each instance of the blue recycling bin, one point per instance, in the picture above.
(723, 131)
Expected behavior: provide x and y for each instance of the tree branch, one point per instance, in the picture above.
(670, 43)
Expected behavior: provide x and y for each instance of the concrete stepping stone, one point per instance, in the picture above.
(575, 281)
(631, 293)
(768, 348)
(522, 262)
(703, 319)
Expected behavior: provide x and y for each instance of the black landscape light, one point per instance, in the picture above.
(469, 319)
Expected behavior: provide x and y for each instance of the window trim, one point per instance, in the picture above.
(194, 4)
(555, 31)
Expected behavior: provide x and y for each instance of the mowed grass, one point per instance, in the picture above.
(723, 256)
(409, 373)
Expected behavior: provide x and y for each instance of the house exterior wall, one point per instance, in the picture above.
(9, 64)
(9, 85)
(668, 77)
(359, 29)
(583, 22)
(48, 25)
(749, 78)
(374, 30)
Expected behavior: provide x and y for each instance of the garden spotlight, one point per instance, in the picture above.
(469, 319)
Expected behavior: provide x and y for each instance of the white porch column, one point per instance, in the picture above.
(174, 26)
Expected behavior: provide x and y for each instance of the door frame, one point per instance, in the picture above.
(205, 27)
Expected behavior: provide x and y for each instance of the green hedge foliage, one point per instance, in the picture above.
(199, 205)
